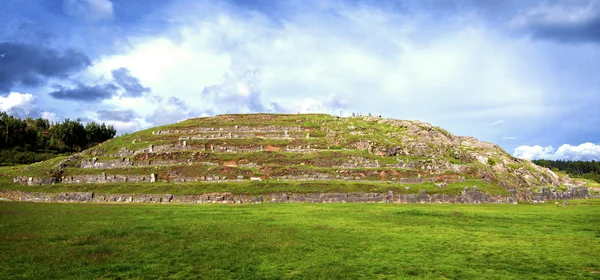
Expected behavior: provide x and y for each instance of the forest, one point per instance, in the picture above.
(30, 140)
(578, 169)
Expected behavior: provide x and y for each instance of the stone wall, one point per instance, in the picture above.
(248, 135)
(467, 196)
(108, 178)
(117, 163)
(124, 152)
(104, 178)
(32, 181)
(357, 162)
(548, 193)
(124, 163)
(234, 129)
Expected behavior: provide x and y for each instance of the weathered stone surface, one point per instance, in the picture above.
(469, 196)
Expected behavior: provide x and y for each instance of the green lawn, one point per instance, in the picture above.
(90, 241)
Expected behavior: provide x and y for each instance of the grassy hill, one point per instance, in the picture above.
(262, 153)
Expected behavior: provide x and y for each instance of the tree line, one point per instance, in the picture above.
(30, 140)
(582, 169)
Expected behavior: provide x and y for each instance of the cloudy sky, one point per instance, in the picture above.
(523, 74)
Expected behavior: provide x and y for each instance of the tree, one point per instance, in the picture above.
(28, 140)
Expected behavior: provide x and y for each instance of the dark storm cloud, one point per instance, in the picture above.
(86, 93)
(568, 32)
(564, 21)
(117, 115)
(31, 65)
(123, 85)
(131, 84)
(538, 17)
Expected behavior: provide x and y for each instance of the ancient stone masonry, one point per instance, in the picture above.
(248, 165)
(209, 178)
(126, 162)
(472, 197)
(164, 148)
(124, 152)
(230, 135)
(467, 196)
(234, 129)
(104, 178)
(31, 181)
(548, 193)
(108, 178)
(95, 163)
(350, 165)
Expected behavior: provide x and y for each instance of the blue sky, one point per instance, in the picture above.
(522, 74)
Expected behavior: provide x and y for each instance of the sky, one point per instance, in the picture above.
(523, 74)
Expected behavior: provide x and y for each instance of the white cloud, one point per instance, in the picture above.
(89, 9)
(52, 117)
(498, 122)
(125, 127)
(585, 151)
(19, 104)
(173, 110)
(463, 79)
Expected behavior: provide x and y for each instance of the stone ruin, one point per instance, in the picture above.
(547, 193)
(32, 181)
(234, 129)
(467, 196)
(186, 143)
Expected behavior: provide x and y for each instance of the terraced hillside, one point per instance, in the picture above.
(299, 153)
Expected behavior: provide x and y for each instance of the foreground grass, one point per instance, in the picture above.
(87, 241)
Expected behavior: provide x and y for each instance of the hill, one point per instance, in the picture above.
(298, 153)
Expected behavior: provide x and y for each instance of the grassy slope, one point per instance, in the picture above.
(258, 188)
(378, 133)
(86, 241)
(274, 163)
(246, 187)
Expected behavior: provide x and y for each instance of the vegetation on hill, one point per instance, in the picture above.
(31, 140)
(579, 169)
(349, 154)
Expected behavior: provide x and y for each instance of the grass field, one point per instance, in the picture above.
(90, 241)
